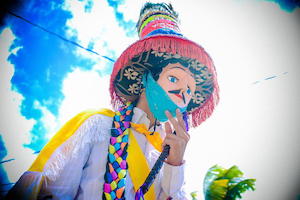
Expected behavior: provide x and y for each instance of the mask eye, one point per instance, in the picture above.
(188, 91)
(172, 79)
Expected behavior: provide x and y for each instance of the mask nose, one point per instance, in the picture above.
(183, 97)
(186, 93)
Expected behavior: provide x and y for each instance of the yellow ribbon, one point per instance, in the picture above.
(138, 166)
(153, 137)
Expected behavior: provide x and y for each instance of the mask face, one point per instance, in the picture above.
(173, 90)
(178, 83)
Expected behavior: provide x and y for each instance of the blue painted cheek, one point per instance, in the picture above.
(188, 91)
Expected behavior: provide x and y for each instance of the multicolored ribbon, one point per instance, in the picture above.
(116, 167)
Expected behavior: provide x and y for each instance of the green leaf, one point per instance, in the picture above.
(239, 188)
(194, 195)
(233, 172)
(214, 173)
(234, 181)
(217, 190)
(226, 184)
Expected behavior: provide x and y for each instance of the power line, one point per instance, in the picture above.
(59, 36)
(3, 184)
(270, 77)
(4, 161)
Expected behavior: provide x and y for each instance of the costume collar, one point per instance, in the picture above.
(140, 123)
(140, 117)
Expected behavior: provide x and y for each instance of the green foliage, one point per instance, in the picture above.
(226, 184)
(240, 187)
(194, 195)
(212, 174)
(217, 190)
(233, 172)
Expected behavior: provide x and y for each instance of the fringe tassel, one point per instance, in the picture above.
(174, 45)
(90, 131)
(200, 114)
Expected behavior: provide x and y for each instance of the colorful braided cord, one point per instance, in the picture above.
(116, 167)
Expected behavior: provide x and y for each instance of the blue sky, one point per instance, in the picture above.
(287, 5)
(45, 71)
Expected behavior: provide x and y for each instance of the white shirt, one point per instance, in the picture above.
(76, 169)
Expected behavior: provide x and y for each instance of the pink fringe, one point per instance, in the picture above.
(174, 45)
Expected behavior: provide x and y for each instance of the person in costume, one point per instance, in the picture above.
(163, 78)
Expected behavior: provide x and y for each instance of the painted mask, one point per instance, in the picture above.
(173, 89)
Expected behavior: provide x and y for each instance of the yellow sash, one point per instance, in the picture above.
(152, 137)
(137, 164)
(138, 167)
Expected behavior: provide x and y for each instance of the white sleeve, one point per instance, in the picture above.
(61, 175)
(172, 182)
(65, 167)
(66, 184)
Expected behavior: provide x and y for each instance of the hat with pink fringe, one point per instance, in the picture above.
(162, 42)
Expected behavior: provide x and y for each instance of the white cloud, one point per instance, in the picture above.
(82, 90)
(14, 128)
(48, 119)
(98, 26)
(131, 10)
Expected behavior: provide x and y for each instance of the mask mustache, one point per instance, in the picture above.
(177, 93)
(174, 91)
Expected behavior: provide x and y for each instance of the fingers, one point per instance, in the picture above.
(168, 128)
(172, 120)
(177, 149)
(179, 134)
(180, 118)
(179, 124)
(174, 141)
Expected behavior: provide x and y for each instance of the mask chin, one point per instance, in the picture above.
(158, 100)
